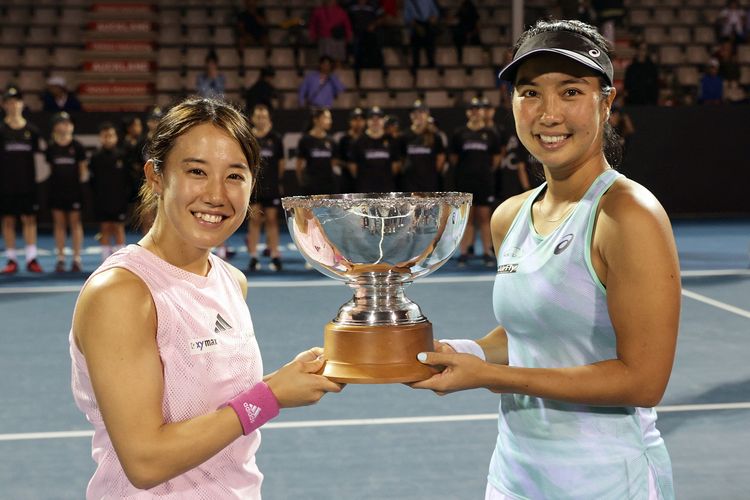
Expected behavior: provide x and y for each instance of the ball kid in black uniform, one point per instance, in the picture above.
(316, 156)
(67, 161)
(475, 152)
(423, 153)
(374, 157)
(19, 147)
(131, 144)
(266, 200)
(356, 129)
(111, 183)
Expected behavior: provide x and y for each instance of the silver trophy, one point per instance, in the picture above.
(377, 244)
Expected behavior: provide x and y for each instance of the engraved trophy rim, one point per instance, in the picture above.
(378, 243)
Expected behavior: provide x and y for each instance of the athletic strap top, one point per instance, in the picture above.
(209, 353)
(554, 308)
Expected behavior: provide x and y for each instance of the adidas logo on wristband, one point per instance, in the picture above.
(252, 411)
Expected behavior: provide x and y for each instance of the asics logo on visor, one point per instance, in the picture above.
(594, 53)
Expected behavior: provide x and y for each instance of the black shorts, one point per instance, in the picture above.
(19, 204)
(110, 216)
(483, 194)
(268, 202)
(66, 204)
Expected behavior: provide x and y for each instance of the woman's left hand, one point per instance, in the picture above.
(459, 372)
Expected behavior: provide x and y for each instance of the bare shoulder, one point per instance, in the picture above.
(111, 301)
(632, 221)
(240, 277)
(504, 215)
(627, 202)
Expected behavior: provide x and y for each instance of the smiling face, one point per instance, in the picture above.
(560, 111)
(204, 189)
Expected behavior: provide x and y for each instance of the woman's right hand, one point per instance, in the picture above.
(298, 383)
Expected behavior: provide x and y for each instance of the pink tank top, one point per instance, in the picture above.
(209, 353)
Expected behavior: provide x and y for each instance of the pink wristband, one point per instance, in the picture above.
(255, 407)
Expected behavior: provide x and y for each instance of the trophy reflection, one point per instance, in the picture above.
(377, 244)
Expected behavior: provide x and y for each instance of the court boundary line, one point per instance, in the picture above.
(306, 424)
(716, 303)
(331, 282)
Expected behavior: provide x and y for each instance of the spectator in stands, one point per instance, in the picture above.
(266, 200)
(732, 23)
(475, 153)
(374, 158)
(421, 17)
(111, 184)
(211, 83)
(252, 27)
(331, 29)
(423, 153)
(262, 91)
(365, 17)
(392, 24)
(67, 160)
(641, 79)
(152, 120)
(609, 14)
(316, 155)
(711, 87)
(320, 88)
(356, 129)
(19, 151)
(466, 29)
(57, 97)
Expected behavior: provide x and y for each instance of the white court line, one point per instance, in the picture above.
(306, 424)
(331, 282)
(716, 303)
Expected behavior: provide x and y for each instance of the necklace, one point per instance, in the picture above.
(560, 217)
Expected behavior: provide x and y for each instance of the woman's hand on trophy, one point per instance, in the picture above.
(459, 371)
(299, 383)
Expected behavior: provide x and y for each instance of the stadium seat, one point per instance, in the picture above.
(670, 55)
(169, 57)
(35, 57)
(371, 79)
(400, 79)
(438, 99)
(287, 79)
(455, 78)
(428, 78)
(168, 81)
(446, 56)
(697, 54)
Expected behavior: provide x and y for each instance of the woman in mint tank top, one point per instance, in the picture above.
(587, 295)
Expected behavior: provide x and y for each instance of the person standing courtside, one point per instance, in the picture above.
(356, 129)
(373, 160)
(423, 153)
(316, 154)
(110, 183)
(20, 144)
(475, 153)
(265, 203)
(67, 160)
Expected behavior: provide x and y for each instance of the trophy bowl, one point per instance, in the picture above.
(377, 243)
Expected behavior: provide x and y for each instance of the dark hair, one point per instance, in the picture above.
(612, 147)
(177, 121)
(315, 113)
(106, 126)
(260, 107)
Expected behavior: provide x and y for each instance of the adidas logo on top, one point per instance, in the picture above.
(252, 411)
(221, 324)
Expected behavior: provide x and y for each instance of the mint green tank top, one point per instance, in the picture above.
(554, 309)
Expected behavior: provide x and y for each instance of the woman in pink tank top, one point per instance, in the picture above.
(165, 362)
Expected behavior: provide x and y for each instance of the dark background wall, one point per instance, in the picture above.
(696, 160)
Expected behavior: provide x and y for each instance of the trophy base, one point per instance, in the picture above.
(377, 354)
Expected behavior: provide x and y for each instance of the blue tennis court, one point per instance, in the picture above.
(386, 441)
